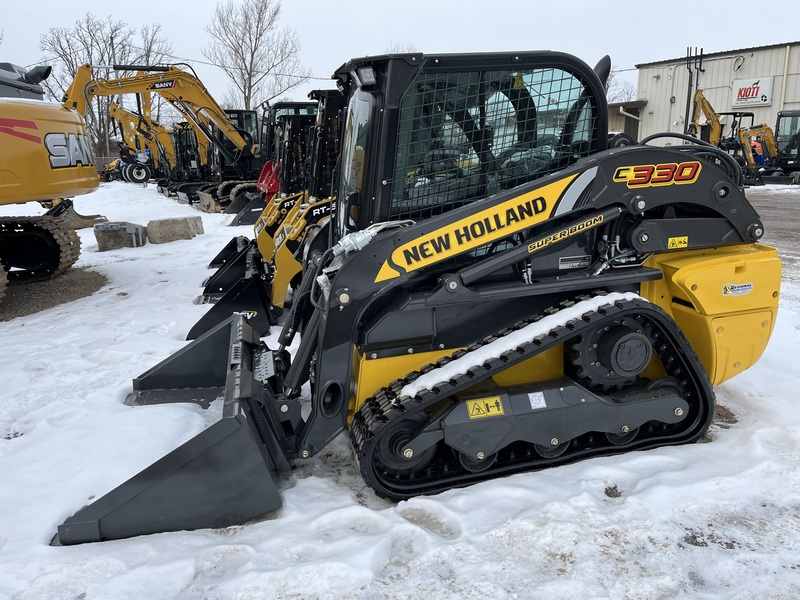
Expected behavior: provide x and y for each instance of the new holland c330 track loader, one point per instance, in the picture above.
(499, 293)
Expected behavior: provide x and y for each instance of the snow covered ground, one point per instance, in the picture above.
(718, 520)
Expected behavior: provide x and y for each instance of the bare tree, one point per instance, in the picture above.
(99, 42)
(396, 47)
(618, 90)
(259, 58)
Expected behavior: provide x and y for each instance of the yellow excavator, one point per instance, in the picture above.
(45, 157)
(139, 133)
(500, 292)
(239, 154)
(739, 139)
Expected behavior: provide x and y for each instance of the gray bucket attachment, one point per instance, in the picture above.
(65, 210)
(223, 476)
(231, 249)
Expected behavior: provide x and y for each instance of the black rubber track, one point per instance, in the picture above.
(385, 411)
(36, 248)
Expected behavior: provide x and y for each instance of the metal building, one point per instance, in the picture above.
(762, 80)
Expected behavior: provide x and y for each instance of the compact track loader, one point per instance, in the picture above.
(500, 293)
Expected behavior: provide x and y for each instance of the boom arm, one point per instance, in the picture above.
(702, 105)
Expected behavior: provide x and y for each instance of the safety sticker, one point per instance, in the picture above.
(485, 407)
(678, 242)
(736, 289)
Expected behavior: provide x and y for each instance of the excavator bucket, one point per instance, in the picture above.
(223, 476)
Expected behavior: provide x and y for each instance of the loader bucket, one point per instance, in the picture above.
(236, 204)
(223, 476)
(231, 249)
(239, 286)
(249, 214)
(249, 295)
(223, 279)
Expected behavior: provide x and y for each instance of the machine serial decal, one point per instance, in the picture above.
(737, 289)
(565, 233)
(642, 176)
(678, 242)
(485, 407)
(7, 126)
(484, 227)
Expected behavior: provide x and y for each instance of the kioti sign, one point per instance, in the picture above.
(752, 92)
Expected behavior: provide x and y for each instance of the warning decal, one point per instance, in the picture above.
(485, 407)
(678, 242)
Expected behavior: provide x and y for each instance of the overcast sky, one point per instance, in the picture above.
(333, 31)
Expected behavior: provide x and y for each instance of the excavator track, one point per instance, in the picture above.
(386, 422)
(36, 248)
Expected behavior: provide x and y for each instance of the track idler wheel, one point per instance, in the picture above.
(390, 449)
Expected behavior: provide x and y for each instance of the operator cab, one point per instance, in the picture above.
(458, 129)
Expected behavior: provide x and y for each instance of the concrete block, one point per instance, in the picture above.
(161, 231)
(196, 225)
(120, 234)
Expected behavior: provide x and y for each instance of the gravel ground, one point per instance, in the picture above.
(23, 300)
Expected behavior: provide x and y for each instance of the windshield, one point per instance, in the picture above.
(467, 135)
(353, 157)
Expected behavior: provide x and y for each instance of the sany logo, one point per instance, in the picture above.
(750, 91)
(160, 85)
(8, 126)
(67, 150)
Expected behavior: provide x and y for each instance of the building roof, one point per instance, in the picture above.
(713, 54)
(628, 104)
